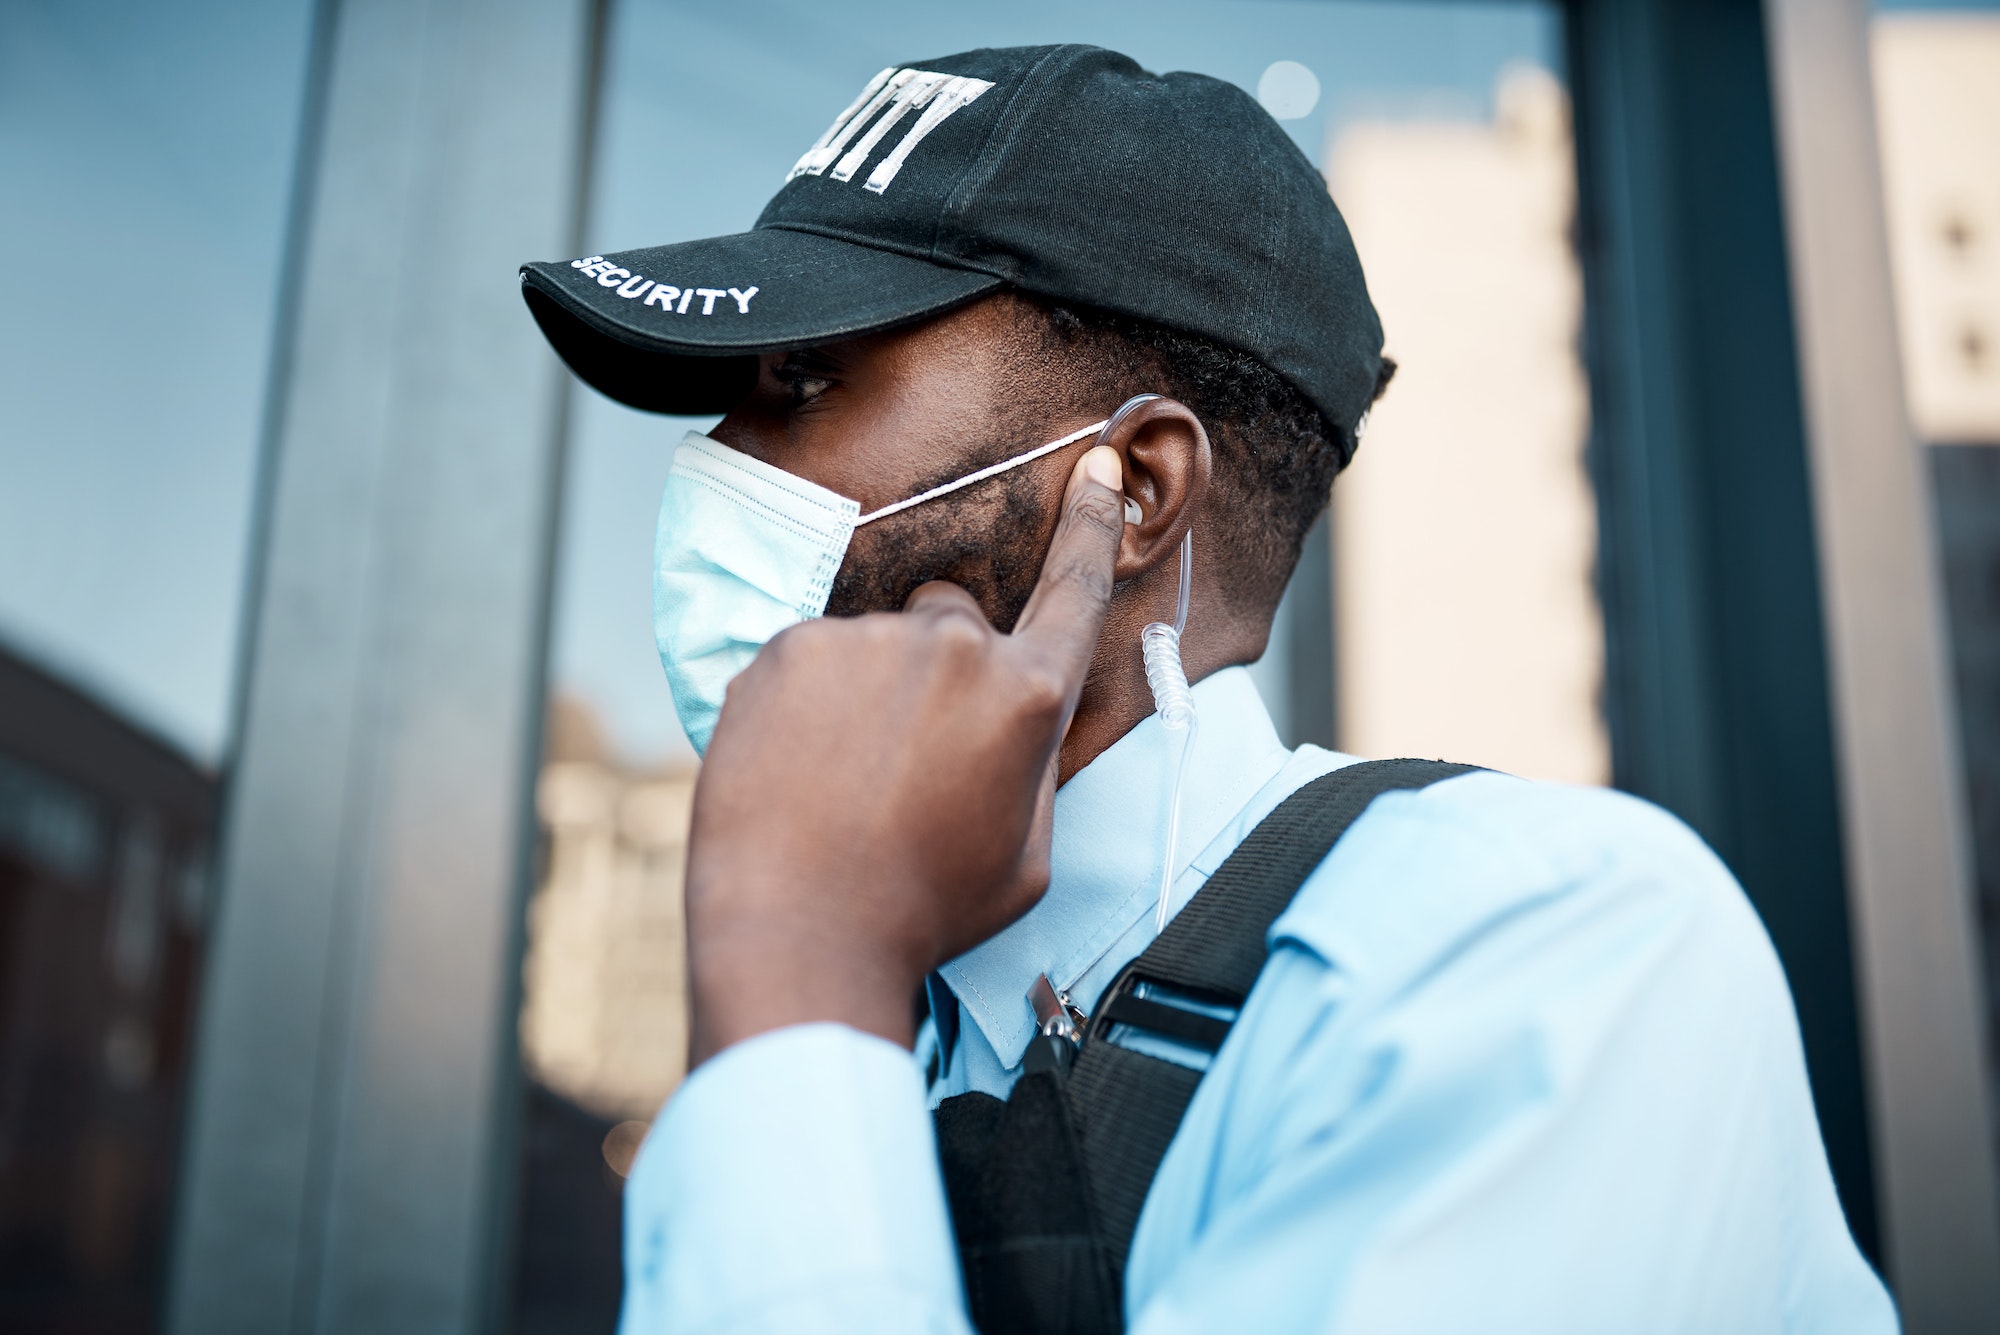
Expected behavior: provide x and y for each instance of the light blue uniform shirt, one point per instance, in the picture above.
(1522, 1060)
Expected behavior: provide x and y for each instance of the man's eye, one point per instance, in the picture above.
(802, 384)
(805, 388)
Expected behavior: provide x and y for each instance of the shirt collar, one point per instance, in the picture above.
(1104, 862)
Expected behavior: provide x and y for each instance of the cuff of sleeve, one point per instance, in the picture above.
(800, 1160)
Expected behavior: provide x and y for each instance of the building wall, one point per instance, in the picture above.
(1937, 97)
(105, 834)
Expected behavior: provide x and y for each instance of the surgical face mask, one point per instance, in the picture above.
(744, 550)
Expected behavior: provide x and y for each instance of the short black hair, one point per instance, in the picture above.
(1275, 453)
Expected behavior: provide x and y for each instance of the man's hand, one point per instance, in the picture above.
(878, 795)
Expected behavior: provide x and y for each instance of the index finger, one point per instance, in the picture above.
(1066, 611)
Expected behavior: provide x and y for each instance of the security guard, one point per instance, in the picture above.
(1035, 373)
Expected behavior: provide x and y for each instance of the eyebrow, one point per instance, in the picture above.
(811, 359)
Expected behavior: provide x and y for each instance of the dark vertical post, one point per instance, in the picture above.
(1308, 603)
(1717, 679)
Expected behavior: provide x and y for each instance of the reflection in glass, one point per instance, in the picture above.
(105, 843)
(147, 154)
(603, 1021)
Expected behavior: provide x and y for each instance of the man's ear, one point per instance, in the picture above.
(1167, 463)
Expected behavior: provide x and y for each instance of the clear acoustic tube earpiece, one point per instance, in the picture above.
(1173, 699)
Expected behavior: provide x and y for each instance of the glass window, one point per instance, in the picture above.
(1430, 120)
(1937, 92)
(147, 153)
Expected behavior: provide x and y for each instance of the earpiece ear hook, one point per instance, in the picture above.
(1133, 512)
(1125, 410)
(1133, 515)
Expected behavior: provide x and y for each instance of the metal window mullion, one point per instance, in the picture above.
(1905, 820)
(352, 1070)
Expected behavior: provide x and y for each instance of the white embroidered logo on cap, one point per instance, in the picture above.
(893, 93)
(671, 299)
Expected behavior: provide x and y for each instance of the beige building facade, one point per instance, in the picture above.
(1937, 99)
(1465, 532)
(604, 981)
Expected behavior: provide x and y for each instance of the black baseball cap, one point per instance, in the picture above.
(1067, 172)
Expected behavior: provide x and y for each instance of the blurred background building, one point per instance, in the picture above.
(1938, 103)
(1465, 544)
(603, 1016)
(342, 806)
(105, 838)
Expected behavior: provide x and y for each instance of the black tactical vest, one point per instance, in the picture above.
(1045, 1188)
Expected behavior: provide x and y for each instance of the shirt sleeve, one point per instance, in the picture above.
(1512, 1081)
(791, 1184)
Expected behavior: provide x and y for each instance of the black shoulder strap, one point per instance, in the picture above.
(1126, 1105)
(1215, 946)
(1045, 1190)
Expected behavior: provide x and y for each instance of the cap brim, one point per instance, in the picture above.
(677, 328)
